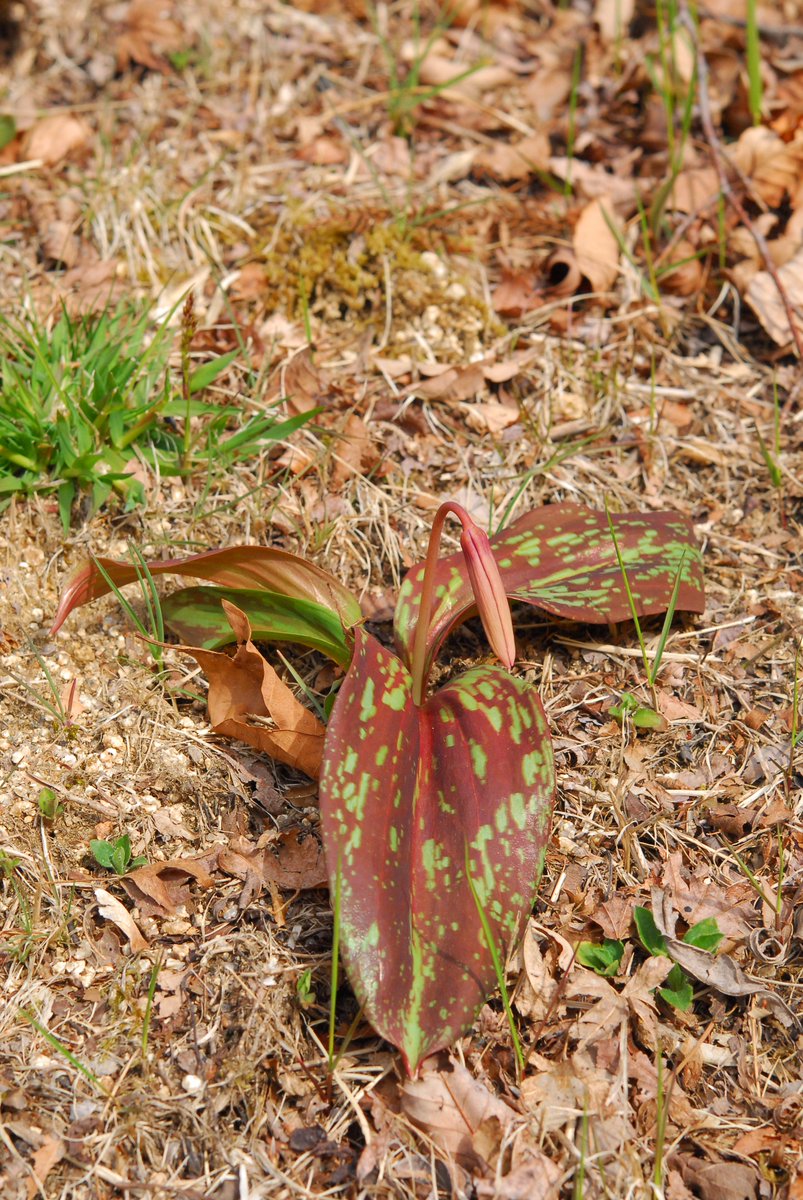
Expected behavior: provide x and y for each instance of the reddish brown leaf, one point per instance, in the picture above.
(412, 797)
(352, 451)
(160, 888)
(614, 916)
(56, 137)
(246, 686)
(235, 567)
(50, 1153)
(561, 558)
(452, 1107)
(291, 863)
(149, 34)
(305, 385)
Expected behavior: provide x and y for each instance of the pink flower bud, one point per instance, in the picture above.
(489, 592)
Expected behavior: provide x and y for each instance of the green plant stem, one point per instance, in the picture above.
(498, 968)
(632, 604)
(795, 719)
(667, 625)
(753, 47)
(58, 1045)
(146, 1019)
(336, 901)
(427, 603)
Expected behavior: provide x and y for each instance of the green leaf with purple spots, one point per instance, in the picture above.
(561, 558)
(409, 795)
(261, 567)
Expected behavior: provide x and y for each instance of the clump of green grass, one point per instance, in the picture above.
(83, 403)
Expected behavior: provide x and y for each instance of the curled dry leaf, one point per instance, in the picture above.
(49, 1154)
(159, 889)
(291, 863)
(323, 151)
(612, 1007)
(452, 383)
(55, 137)
(614, 916)
(436, 69)
(594, 256)
(644, 1073)
(352, 451)
(489, 417)
(595, 183)
(718, 1180)
(537, 1179)
(246, 686)
(111, 908)
(765, 299)
(682, 270)
(304, 385)
(773, 167)
(149, 34)
(509, 163)
(536, 990)
(547, 90)
(554, 1094)
(613, 18)
(694, 190)
(516, 294)
(697, 896)
(457, 1111)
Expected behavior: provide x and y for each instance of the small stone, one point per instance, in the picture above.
(436, 265)
(192, 1084)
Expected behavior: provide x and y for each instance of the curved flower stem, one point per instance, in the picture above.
(486, 583)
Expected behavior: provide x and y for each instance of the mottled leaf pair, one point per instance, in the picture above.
(418, 790)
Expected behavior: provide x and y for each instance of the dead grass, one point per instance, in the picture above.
(195, 178)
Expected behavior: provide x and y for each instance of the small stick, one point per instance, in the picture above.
(724, 182)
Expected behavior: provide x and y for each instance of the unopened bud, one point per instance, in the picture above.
(489, 592)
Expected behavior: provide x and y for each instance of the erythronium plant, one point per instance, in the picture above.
(435, 808)
(430, 807)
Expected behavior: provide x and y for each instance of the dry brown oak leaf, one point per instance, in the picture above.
(246, 686)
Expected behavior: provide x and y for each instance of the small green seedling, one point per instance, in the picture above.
(116, 856)
(306, 996)
(605, 958)
(8, 129)
(641, 716)
(82, 403)
(49, 806)
(705, 935)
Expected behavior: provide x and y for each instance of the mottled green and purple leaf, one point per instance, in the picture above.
(237, 567)
(196, 616)
(561, 558)
(408, 796)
